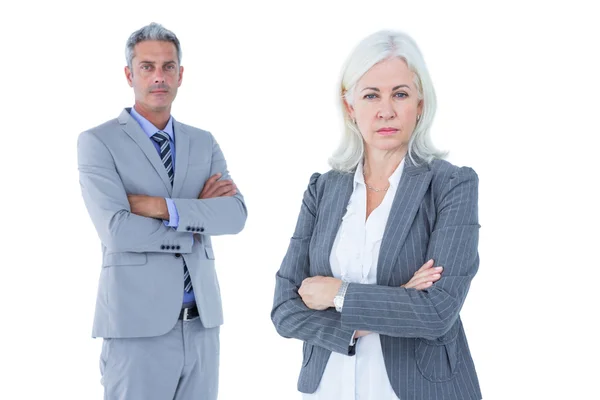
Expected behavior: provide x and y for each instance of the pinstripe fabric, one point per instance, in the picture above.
(434, 215)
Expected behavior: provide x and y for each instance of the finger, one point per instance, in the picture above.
(417, 284)
(210, 181)
(428, 271)
(413, 283)
(213, 178)
(423, 286)
(429, 278)
(222, 190)
(214, 187)
(426, 266)
(230, 193)
(210, 187)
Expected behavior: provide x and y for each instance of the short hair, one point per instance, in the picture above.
(153, 31)
(371, 50)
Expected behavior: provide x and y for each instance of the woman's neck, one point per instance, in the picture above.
(380, 165)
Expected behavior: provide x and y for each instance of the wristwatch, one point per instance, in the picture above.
(338, 300)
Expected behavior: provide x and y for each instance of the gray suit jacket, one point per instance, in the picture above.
(141, 280)
(434, 215)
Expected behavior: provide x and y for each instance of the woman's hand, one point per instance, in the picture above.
(424, 277)
(317, 292)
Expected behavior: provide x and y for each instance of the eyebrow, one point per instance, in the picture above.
(394, 88)
(153, 62)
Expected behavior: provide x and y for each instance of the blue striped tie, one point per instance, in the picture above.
(162, 138)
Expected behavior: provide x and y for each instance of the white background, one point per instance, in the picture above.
(518, 93)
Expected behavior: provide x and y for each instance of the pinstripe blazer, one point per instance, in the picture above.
(434, 215)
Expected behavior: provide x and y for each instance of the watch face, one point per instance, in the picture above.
(336, 301)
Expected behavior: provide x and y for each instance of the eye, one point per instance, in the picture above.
(146, 67)
(170, 67)
(370, 96)
(400, 95)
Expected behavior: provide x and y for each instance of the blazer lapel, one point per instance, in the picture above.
(335, 205)
(182, 150)
(411, 189)
(133, 129)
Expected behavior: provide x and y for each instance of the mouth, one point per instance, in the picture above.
(159, 92)
(387, 131)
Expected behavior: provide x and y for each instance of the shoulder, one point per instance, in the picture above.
(449, 180)
(193, 132)
(445, 172)
(319, 182)
(100, 132)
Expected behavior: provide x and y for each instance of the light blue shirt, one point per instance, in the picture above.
(149, 129)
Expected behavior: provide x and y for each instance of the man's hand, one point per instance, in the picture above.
(148, 206)
(215, 188)
(318, 292)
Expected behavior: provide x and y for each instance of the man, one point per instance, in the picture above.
(156, 191)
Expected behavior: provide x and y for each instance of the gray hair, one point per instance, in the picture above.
(153, 31)
(370, 51)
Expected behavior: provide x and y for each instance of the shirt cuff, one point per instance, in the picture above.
(173, 214)
(353, 340)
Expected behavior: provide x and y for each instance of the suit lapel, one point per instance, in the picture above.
(182, 149)
(335, 209)
(411, 189)
(133, 129)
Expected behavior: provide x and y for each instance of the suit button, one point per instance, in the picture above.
(189, 228)
(177, 255)
(162, 247)
(178, 247)
(201, 229)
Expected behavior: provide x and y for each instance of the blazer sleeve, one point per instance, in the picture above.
(214, 216)
(291, 317)
(428, 314)
(106, 201)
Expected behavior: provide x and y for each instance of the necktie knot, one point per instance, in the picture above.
(160, 137)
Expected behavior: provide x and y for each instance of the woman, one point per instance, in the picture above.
(389, 204)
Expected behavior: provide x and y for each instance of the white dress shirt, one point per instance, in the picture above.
(354, 258)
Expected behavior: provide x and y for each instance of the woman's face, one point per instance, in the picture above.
(386, 105)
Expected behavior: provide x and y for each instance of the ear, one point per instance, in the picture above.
(349, 108)
(129, 76)
(420, 107)
(180, 76)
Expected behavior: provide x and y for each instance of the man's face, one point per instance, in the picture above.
(155, 75)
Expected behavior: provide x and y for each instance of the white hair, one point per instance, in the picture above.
(373, 49)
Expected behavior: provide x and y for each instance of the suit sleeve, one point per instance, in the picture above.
(107, 204)
(215, 216)
(291, 317)
(428, 314)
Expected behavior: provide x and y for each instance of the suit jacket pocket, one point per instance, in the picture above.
(437, 360)
(307, 350)
(111, 259)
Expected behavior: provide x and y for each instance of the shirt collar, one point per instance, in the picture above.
(149, 128)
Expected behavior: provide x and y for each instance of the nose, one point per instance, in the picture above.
(386, 111)
(159, 76)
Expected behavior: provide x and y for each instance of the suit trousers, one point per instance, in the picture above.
(182, 364)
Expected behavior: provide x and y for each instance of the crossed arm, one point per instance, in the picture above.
(156, 207)
(302, 305)
(132, 223)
